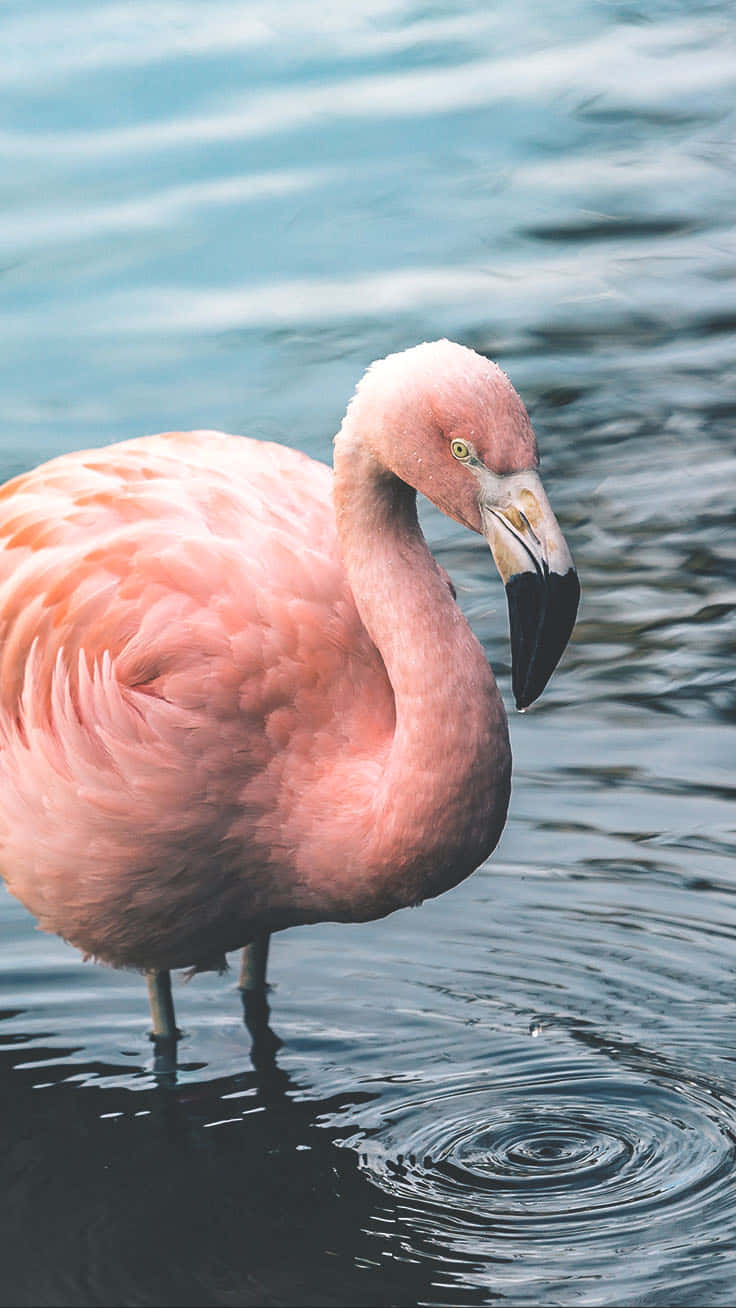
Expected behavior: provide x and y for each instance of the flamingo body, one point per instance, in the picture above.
(235, 696)
(181, 667)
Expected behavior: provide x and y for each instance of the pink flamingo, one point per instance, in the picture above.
(236, 693)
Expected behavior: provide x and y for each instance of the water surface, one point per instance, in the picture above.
(523, 1092)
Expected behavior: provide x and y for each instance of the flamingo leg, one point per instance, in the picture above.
(253, 992)
(253, 962)
(162, 1006)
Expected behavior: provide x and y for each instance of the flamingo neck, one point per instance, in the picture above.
(441, 803)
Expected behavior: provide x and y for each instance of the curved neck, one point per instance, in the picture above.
(442, 800)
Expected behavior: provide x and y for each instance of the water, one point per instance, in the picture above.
(523, 1092)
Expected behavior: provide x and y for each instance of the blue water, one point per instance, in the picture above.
(217, 215)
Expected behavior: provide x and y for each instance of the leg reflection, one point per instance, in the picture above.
(264, 1041)
(164, 1061)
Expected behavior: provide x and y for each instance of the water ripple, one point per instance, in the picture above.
(545, 1167)
(624, 65)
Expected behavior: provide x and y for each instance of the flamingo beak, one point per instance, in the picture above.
(542, 587)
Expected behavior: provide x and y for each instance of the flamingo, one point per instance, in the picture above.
(236, 692)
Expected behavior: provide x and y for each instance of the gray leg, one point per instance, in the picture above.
(162, 1006)
(253, 961)
(254, 992)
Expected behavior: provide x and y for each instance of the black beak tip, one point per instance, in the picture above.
(542, 613)
(523, 701)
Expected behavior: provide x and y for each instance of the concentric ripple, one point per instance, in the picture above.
(534, 1179)
(530, 1153)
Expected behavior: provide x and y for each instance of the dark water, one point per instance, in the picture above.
(217, 215)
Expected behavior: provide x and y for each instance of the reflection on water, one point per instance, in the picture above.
(223, 1215)
(218, 215)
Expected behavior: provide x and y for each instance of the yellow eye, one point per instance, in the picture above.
(460, 450)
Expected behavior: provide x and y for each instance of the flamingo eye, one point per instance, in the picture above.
(460, 450)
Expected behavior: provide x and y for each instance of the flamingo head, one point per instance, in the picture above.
(458, 432)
